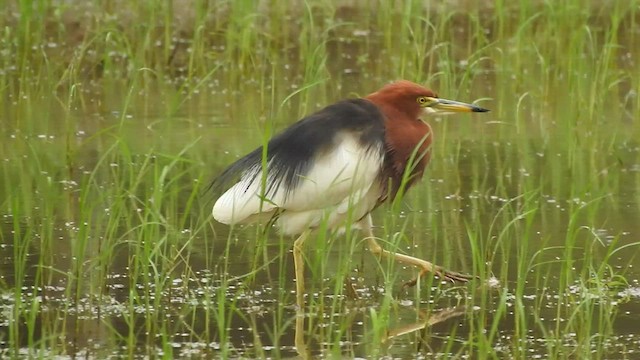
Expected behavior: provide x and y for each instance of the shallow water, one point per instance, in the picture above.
(436, 216)
(107, 247)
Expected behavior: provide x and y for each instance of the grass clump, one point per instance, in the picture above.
(116, 115)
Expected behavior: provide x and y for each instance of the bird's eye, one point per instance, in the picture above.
(422, 100)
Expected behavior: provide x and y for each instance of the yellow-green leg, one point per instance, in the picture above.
(298, 262)
(367, 226)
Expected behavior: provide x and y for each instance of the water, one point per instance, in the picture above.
(101, 317)
(107, 247)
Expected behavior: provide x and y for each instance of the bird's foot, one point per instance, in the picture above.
(451, 276)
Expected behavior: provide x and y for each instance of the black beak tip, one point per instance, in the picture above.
(479, 109)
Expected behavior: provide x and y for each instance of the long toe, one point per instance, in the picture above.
(454, 276)
(442, 274)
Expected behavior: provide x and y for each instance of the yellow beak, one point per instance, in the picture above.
(445, 106)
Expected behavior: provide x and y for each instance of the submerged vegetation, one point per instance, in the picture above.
(117, 114)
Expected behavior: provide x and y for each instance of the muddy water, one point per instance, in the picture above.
(436, 216)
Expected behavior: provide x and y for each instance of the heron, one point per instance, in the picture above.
(333, 167)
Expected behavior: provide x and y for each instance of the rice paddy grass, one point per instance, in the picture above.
(116, 115)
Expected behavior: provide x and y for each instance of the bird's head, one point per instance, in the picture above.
(415, 100)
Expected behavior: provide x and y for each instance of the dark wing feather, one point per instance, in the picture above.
(290, 153)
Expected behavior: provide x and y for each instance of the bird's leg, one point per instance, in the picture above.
(374, 247)
(298, 262)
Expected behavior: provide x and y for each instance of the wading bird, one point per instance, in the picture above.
(333, 167)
